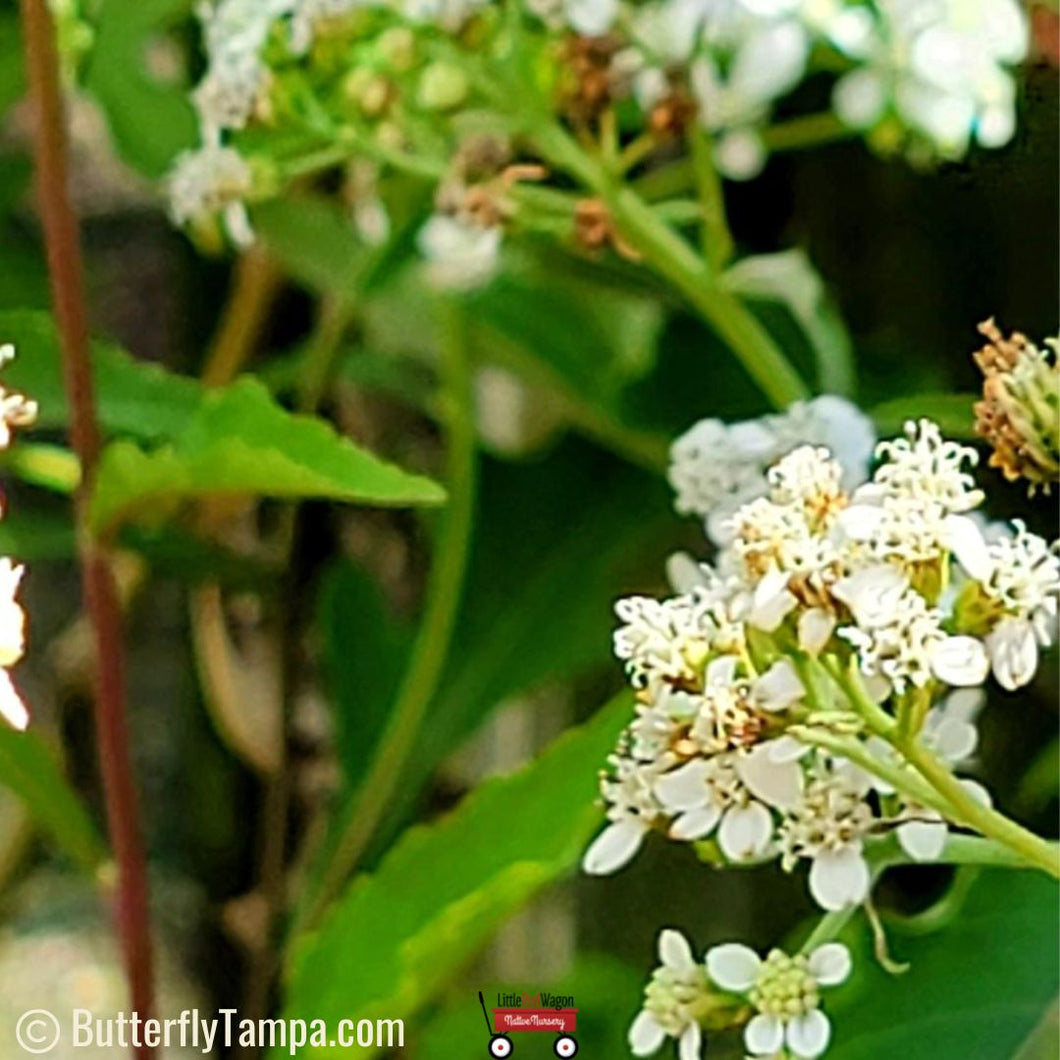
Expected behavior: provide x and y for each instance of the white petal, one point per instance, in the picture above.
(786, 749)
(1014, 652)
(964, 704)
(860, 522)
(977, 791)
(954, 739)
(815, 629)
(839, 879)
(722, 670)
(691, 1042)
(685, 788)
(12, 709)
(772, 601)
(614, 847)
(745, 832)
(923, 840)
(962, 536)
(684, 573)
(877, 686)
(776, 783)
(779, 687)
(695, 824)
(733, 966)
(675, 952)
(764, 1035)
(960, 661)
(645, 1035)
(830, 964)
(808, 1035)
(872, 594)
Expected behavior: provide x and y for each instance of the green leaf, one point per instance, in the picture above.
(600, 985)
(365, 648)
(396, 937)
(30, 536)
(975, 990)
(151, 122)
(790, 279)
(240, 441)
(28, 769)
(135, 398)
(952, 412)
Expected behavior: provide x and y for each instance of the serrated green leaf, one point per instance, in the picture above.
(975, 990)
(952, 412)
(241, 442)
(396, 937)
(790, 279)
(151, 122)
(28, 769)
(133, 397)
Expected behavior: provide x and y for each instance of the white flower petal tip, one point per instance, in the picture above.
(1013, 649)
(685, 788)
(12, 709)
(779, 687)
(808, 1035)
(733, 966)
(771, 772)
(690, 1043)
(962, 536)
(745, 832)
(872, 594)
(923, 840)
(830, 964)
(675, 952)
(839, 879)
(764, 1035)
(960, 661)
(696, 824)
(614, 847)
(684, 573)
(815, 630)
(645, 1035)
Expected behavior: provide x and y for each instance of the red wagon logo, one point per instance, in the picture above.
(562, 1022)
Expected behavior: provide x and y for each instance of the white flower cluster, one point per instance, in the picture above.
(823, 598)
(783, 991)
(15, 411)
(716, 468)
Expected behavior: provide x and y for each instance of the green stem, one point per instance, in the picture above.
(811, 130)
(432, 643)
(674, 258)
(966, 810)
(717, 239)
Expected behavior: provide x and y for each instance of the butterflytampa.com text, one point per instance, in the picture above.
(39, 1031)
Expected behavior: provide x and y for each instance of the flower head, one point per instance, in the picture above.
(785, 992)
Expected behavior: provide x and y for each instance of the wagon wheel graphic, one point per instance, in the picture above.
(565, 1046)
(500, 1044)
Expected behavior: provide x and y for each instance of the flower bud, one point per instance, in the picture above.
(443, 86)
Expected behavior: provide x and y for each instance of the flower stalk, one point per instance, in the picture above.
(63, 249)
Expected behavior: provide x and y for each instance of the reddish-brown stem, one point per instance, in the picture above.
(100, 597)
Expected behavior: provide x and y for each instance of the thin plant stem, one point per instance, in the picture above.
(673, 258)
(63, 249)
(432, 644)
(717, 239)
(984, 819)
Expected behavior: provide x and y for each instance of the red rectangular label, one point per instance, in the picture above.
(534, 1019)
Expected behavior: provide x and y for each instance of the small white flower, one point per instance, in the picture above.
(672, 1001)
(662, 640)
(212, 180)
(15, 410)
(461, 255)
(632, 809)
(785, 991)
(828, 826)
